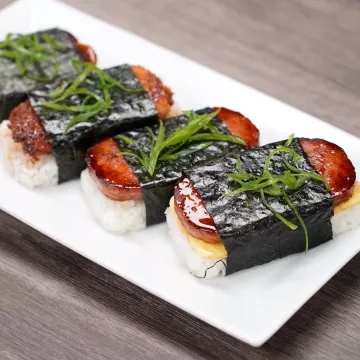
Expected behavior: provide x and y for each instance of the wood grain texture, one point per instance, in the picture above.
(55, 304)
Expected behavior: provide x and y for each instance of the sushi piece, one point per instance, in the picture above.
(30, 61)
(266, 204)
(127, 192)
(46, 138)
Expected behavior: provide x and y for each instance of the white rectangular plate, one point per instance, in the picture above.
(251, 305)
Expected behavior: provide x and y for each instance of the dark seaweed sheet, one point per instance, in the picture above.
(252, 235)
(13, 88)
(128, 111)
(158, 190)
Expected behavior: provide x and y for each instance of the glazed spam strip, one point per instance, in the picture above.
(44, 132)
(14, 87)
(328, 159)
(28, 129)
(241, 229)
(122, 178)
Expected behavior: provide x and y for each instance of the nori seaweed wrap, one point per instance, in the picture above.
(13, 87)
(250, 232)
(128, 110)
(158, 189)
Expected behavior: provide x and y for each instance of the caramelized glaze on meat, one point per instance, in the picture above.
(192, 212)
(111, 173)
(240, 126)
(160, 94)
(88, 52)
(332, 163)
(27, 129)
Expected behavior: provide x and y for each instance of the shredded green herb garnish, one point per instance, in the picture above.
(185, 140)
(27, 50)
(277, 185)
(93, 102)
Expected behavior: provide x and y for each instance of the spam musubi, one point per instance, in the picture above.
(266, 203)
(30, 61)
(46, 137)
(130, 178)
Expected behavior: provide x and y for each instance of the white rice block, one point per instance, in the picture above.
(31, 172)
(345, 220)
(198, 265)
(114, 216)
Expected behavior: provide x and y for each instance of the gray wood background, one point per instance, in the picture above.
(54, 304)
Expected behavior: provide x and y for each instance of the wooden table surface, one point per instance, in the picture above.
(55, 304)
